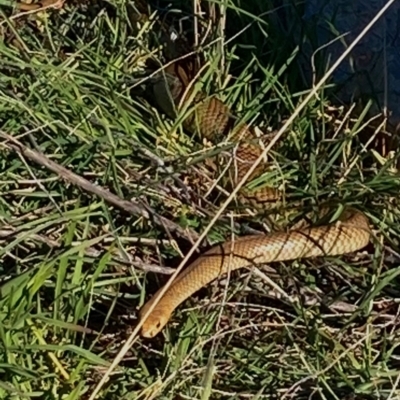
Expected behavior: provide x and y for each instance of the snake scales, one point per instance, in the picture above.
(212, 118)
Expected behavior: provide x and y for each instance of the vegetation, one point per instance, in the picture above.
(75, 269)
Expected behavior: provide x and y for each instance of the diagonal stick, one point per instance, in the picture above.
(133, 335)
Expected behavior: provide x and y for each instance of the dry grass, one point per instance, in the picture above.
(72, 265)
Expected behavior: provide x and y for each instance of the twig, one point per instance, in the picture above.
(9, 232)
(289, 121)
(84, 184)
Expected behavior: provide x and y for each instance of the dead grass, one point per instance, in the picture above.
(71, 286)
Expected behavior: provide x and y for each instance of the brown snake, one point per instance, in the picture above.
(211, 118)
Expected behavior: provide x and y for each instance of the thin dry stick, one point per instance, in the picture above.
(11, 232)
(315, 375)
(83, 183)
(125, 348)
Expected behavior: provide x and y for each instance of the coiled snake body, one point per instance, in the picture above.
(211, 118)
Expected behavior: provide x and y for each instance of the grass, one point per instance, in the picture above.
(68, 298)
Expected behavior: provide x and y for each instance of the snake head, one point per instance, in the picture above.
(155, 322)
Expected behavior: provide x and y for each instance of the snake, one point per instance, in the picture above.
(211, 118)
(40, 5)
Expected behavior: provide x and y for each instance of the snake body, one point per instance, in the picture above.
(212, 118)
